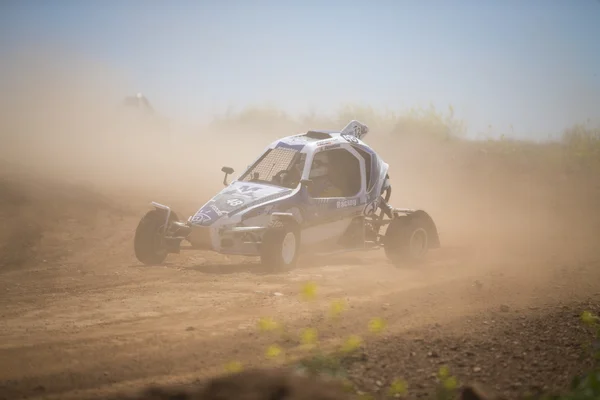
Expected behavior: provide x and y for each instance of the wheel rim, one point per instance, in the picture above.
(288, 248)
(418, 243)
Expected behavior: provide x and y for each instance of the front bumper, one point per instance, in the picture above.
(237, 240)
(228, 237)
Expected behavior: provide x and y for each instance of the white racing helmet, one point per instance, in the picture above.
(320, 167)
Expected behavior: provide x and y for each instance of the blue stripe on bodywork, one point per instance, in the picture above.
(234, 199)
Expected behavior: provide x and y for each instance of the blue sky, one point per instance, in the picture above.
(534, 64)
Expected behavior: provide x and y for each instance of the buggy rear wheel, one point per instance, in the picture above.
(280, 246)
(406, 240)
(149, 244)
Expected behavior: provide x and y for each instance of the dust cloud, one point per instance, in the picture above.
(62, 118)
(77, 171)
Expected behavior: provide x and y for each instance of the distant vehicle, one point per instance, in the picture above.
(319, 192)
(138, 103)
(137, 114)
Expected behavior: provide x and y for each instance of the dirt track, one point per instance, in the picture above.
(97, 321)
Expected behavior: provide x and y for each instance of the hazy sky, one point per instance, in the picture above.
(531, 63)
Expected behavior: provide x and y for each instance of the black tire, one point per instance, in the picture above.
(406, 240)
(148, 243)
(275, 251)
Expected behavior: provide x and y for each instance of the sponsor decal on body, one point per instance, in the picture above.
(351, 139)
(326, 142)
(247, 189)
(331, 146)
(217, 211)
(346, 203)
(200, 218)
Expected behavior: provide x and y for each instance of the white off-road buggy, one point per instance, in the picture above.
(319, 192)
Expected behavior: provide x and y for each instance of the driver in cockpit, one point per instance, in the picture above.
(325, 174)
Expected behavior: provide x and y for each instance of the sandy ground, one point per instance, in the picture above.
(95, 321)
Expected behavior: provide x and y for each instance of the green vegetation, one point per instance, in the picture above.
(577, 149)
(430, 122)
(421, 121)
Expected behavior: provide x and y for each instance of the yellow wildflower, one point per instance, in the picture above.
(351, 344)
(398, 387)
(273, 351)
(267, 324)
(309, 336)
(233, 367)
(309, 291)
(376, 325)
(337, 307)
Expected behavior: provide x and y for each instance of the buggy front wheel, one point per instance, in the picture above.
(280, 246)
(149, 244)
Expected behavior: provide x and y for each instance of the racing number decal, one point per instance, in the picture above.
(350, 139)
(235, 202)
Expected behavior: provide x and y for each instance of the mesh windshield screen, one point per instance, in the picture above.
(273, 161)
